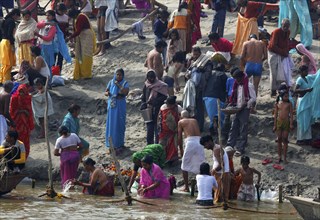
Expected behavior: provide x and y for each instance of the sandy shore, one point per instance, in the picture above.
(129, 53)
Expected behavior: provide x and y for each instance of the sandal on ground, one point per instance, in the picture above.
(266, 161)
(278, 167)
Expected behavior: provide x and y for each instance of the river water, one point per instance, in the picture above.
(24, 203)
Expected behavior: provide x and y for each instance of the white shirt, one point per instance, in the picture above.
(205, 184)
(62, 18)
(87, 8)
(225, 162)
(241, 100)
(45, 71)
(64, 142)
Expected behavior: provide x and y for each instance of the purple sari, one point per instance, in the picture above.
(69, 162)
(155, 175)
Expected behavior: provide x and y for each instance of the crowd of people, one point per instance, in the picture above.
(171, 128)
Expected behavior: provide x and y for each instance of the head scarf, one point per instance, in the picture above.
(312, 66)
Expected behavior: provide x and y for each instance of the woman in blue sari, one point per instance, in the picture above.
(307, 87)
(117, 90)
(71, 121)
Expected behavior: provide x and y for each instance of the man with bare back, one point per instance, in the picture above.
(193, 155)
(4, 110)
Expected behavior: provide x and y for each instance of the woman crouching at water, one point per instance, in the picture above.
(99, 184)
(66, 147)
(153, 183)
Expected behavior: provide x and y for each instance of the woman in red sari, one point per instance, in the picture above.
(169, 116)
(21, 113)
(194, 9)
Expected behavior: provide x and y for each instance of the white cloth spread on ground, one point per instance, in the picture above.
(111, 16)
(193, 155)
(3, 128)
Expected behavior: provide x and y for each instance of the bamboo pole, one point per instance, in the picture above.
(225, 205)
(122, 182)
(50, 186)
(128, 29)
(280, 193)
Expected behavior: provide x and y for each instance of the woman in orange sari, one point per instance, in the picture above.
(21, 113)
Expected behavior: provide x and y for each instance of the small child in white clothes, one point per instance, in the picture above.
(205, 184)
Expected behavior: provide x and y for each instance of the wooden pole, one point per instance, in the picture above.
(225, 205)
(122, 182)
(127, 30)
(50, 186)
(280, 193)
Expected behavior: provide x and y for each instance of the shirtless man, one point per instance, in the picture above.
(193, 155)
(246, 191)
(154, 59)
(5, 118)
(254, 52)
(222, 175)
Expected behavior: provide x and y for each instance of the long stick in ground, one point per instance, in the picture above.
(46, 135)
(122, 182)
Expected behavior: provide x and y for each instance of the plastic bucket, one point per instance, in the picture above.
(147, 115)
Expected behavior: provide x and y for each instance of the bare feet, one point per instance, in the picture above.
(279, 161)
(102, 52)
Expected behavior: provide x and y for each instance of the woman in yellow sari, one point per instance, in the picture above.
(85, 45)
(25, 36)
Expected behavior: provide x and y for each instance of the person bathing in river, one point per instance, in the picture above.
(99, 183)
(205, 183)
(156, 151)
(153, 182)
(246, 191)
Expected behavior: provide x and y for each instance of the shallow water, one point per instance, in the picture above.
(24, 203)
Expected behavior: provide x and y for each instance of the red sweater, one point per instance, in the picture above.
(279, 42)
(82, 23)
(223, 45)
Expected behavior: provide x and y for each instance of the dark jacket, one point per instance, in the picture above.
(216, 85)
(7, 29)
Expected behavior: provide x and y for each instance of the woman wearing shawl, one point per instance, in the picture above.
(21, 113)
(117, 90)
(85, 45)
(155, 150)
(71, 121)
(169, 116)
(243, 97)
(154, 94)
(51, 40)
(153, 182)
(307, 58)
(67, 148)
(25, 36)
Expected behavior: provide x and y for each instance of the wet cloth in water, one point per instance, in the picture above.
(193, 155)
(246, 193)
(155, 174)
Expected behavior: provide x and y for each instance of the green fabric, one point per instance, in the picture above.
(154, 150)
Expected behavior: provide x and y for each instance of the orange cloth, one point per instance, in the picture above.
(235, 183)
(178, 19)
(245, 27)
(223, 187)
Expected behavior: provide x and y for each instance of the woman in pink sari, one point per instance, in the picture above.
(153, 183)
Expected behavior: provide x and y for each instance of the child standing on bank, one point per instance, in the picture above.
(246, 191)
(283, 123)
